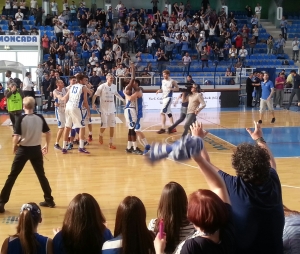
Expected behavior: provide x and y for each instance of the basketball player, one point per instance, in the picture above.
(106, 92)
(60, 107)
(133, 114)
(167, 87)
(76, 99)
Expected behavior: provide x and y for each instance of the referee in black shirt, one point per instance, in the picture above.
(27, 146)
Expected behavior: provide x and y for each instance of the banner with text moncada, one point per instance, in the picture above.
(24, 40)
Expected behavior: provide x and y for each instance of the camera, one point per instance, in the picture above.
(187, 89)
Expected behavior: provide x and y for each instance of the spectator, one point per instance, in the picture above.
(26, 239)
(58, 29)
(123, 38)
(252, 44)
(93, 60)
(19, 18)
(258, 11)
(281, 44)
(291, 231)
(54, 9)
(243, 54)
(83, 229)
(232, 54)
(279, 92)
(249, 12)
(249, 90)
(172, 209)
(14, 100)
(186, 60)
(295, 45)
(131, 234)
(270, 45)
(283, 27)
(73, 10)
(229, 81)
(204, 57)
(255, 33)
(296, 88)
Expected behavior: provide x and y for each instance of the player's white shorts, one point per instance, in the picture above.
(76, 117)
(108, 120)
(131, 119)
(87, 120)
(60, 117)
(166, 105)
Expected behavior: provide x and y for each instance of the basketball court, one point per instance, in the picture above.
(110, 175)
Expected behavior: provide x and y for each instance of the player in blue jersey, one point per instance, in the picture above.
(133, 114)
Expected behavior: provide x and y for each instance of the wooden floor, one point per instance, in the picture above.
(110, 175)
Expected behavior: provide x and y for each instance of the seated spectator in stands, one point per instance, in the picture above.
(83, 229)
(172, 208)
(291, 231)
(229, 81)
(24, 31)
(27, 240)
(14, 31)
(34, 31)
(252, 44)
(88, 70)
(131, 234)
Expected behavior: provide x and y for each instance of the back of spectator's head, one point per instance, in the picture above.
(83, 225)
(207, 211)
(131, 224)
(251, 163)
(28, 74)
(8, 73)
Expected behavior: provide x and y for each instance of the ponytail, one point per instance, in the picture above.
(25, 232)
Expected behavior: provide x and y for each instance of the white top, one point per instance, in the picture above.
(65, 5)
(61, 104)
(93, 60)
(186, 59)
(120, 72)
(53, 6)
(98, 71)
(75, 96)
(232, 52)
(149, 42)
(15, 5)
(258, 9)
(166, 86)
(118, 7)
(295, 45)
(243, 52)
(27, 84)
(19, 16)
(7, 4)
(107, 94)
(33, 4)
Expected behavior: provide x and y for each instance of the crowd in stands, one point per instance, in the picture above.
(237, 214)
(80, 39)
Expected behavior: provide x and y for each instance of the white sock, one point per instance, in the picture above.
(101, 134)
(111, 140)
(144, 141)
(129, 144)
(65, 143)
(90, 133)
(81, 143)
(134, 145)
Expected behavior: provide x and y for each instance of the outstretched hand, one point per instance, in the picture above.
(257, 133)
(197, 130)
(160, 244)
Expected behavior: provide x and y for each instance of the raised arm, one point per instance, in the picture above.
(213, 179)
(257, 135)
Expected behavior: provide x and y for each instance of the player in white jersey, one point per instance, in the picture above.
(60, 106)
(168, 86)
(107, 91)
(133, 114)
(76, 100)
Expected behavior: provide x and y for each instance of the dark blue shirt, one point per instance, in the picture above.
(95, 80)
(258, 214)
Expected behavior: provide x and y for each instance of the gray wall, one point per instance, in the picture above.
(272, 15)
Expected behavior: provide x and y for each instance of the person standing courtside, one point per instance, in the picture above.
(14, 97)
(296, 88)
(167, 87)
(27, 146)
(267, 91)
(28, 86)
(249, 90)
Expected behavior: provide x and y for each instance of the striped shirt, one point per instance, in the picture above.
(291, 234)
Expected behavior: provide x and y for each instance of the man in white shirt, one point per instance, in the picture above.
(182, 23)
(150, 45)
(119, 5)
(120, 71)
(295, 45)
(186, 60)
(258, 11)
(33, 4)
(168, 86)
(93, 60)
(243, 54)
(19, 18)
(107, 92)
(54, 8)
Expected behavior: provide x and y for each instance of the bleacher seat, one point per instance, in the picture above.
(45, 57)
(31, 18)
(5, 27)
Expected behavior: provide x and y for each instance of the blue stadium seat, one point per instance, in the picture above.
(31, 18)
(5, 27)
(45, 57)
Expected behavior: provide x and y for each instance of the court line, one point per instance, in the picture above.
(191, 166)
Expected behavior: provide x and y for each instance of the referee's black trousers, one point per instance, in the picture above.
(23, 154)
